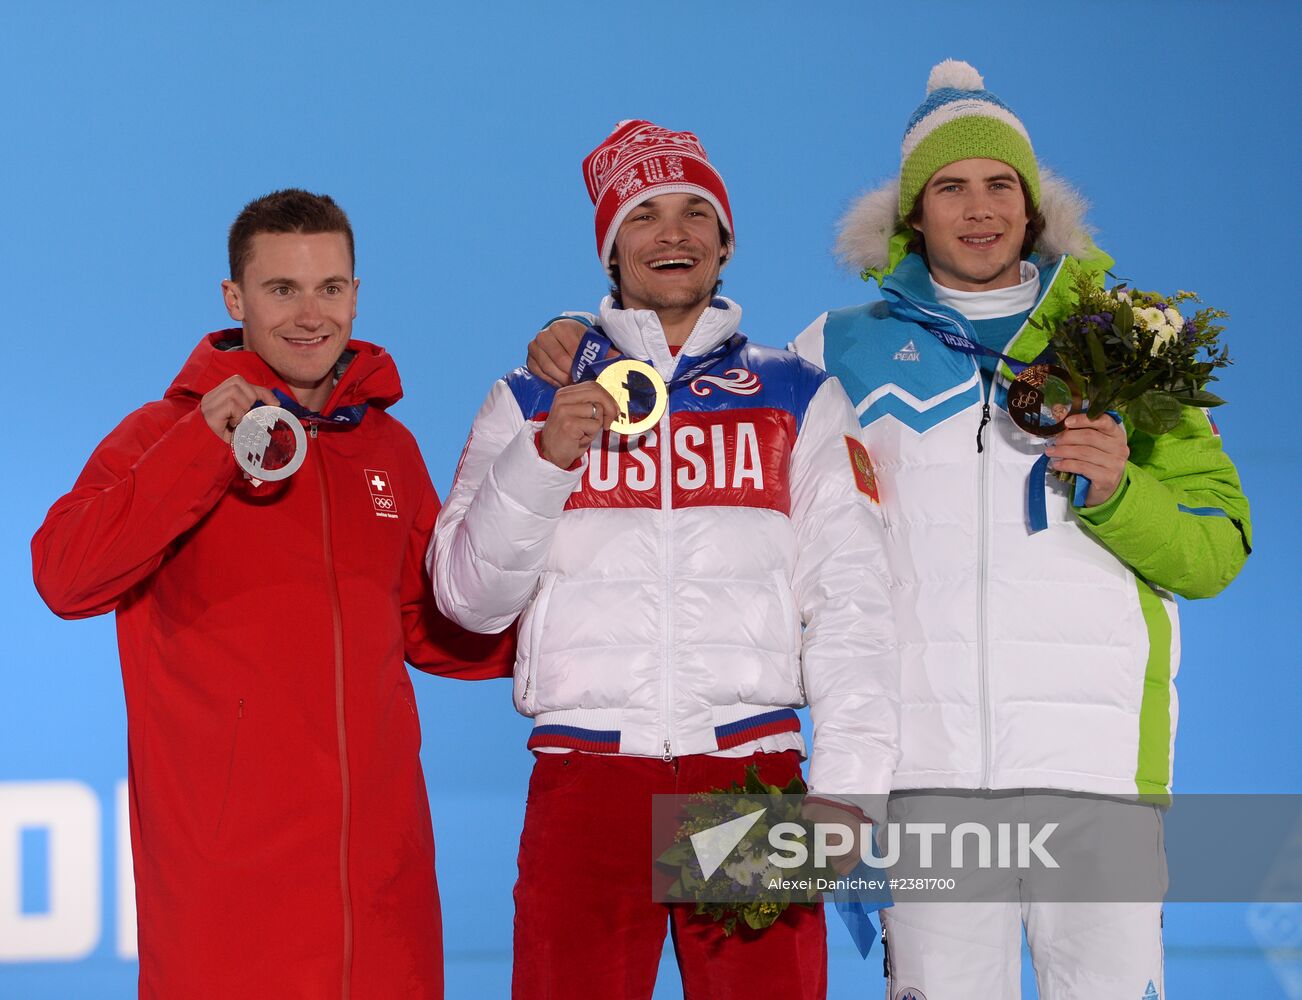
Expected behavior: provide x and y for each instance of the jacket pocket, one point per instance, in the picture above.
(529, 655)
(792, 631)
(230, 766)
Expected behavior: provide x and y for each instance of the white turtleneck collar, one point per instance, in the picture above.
(638, 333)
(997, 302)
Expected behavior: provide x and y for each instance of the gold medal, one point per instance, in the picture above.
(1042, 398)
(638, 391)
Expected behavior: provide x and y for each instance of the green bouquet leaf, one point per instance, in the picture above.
(1154, 409)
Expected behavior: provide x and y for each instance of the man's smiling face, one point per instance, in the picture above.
(297, 299)
(669, 251)
(973, 222)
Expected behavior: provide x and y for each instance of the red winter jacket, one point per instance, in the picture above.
(279, 823)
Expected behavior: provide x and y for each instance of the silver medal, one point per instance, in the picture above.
(253, 437)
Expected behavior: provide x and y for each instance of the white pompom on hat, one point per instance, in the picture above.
(954, 74)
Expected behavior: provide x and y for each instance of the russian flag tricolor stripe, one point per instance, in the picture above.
(574, 738)
(782, 720)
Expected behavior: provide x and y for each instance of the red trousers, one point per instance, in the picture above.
(586, 927)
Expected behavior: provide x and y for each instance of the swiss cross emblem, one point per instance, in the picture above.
(865, 478)
(382, 498)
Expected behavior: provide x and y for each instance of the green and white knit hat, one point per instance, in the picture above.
(961, 120)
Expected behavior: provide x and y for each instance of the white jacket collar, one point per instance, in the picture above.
(637, 333)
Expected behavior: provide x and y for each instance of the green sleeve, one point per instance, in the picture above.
(1179, 517)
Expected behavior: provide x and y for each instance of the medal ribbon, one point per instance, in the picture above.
(948, 326)
(346, 416)
(1037, 516)
(855, 906)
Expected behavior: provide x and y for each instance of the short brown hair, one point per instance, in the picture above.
(291, 210)
(1034, 226)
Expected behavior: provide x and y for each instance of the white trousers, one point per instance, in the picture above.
(1093, 920)
(973, 951)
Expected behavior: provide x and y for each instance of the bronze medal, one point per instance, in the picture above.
(1042, 398)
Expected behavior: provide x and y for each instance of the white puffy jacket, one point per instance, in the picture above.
(1042, 660)
(685, 599)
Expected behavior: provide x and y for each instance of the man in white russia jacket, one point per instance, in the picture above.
(680, 592)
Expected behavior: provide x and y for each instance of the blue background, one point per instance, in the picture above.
(134, 132)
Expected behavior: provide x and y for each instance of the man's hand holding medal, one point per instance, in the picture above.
(1046, 401)
(267, 440)
(578, 414)
(1094, 448)
(225, 406)
(620, 394)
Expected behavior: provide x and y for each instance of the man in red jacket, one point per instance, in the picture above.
(279, 824)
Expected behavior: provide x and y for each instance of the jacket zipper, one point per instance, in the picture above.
(983, 571)
(332, 584)
(666, 509)
(983, 541)
(983, 544)
(985, 419)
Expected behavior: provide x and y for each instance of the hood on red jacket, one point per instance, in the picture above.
(368, 372)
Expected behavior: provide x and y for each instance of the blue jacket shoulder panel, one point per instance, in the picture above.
(890, 366)
(532, 394)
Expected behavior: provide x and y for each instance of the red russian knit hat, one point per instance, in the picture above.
(640, 160)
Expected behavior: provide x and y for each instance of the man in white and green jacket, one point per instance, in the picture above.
(1039, 660)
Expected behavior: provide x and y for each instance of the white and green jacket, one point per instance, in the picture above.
(1028, 661)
